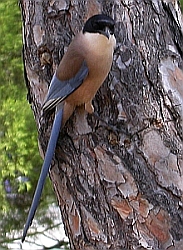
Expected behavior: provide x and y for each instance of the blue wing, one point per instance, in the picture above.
(58, 91)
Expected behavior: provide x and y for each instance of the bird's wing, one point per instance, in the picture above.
(59, 90)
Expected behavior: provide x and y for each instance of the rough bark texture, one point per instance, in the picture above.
(117, 174)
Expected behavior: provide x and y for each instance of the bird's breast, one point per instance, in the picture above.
(97, 51)
(99, 68)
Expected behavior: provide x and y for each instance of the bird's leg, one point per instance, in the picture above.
(89, 107)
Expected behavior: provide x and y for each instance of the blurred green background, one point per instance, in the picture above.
(20, 162)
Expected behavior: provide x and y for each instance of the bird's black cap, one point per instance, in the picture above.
(98, 24)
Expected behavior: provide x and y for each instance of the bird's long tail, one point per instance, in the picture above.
(45, 168)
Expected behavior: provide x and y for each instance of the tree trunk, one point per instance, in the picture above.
(117, 173)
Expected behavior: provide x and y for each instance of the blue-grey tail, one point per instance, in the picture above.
(45, 168)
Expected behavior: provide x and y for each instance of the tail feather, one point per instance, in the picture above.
(45, 169)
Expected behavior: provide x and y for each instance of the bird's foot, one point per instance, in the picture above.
(89, 107)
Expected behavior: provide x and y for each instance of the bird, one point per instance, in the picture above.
(81, 72)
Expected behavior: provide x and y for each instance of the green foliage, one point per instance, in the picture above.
(18, 148)
(181, 3)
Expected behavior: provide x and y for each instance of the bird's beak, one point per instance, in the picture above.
(106, 32)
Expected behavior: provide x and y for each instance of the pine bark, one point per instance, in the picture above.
(117, 173)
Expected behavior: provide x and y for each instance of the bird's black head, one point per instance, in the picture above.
(101, 24)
